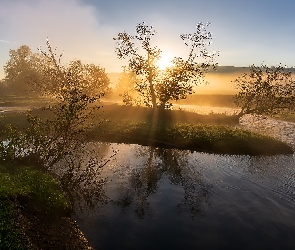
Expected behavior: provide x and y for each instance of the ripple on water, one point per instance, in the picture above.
(202, 200)
(281, 130)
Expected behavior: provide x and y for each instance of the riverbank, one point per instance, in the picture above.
(34, 213)
(213, 133)
(200, 138)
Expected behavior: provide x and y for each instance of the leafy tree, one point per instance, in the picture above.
(40, 73)
(124, 87)
(54, 139)
(265, 90)
(87, 78)
(156, 87)
(22, 70)
(91, 79)
(49, 140)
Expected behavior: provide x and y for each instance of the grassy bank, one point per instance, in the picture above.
(214, 133)
(34, 213)
(195, 137)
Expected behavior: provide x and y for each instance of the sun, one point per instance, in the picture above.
(165, 60)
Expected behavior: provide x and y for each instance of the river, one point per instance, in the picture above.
(173, 199)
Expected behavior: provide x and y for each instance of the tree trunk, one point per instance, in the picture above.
(154, 100)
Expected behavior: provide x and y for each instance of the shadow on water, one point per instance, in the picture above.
(172, 199)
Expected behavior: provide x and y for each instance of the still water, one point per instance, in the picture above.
(172, 199)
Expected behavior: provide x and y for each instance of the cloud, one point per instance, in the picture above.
(4, 41)
(71, 25)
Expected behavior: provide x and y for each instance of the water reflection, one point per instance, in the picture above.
(155, 164)
(172, 199)
(80, 174)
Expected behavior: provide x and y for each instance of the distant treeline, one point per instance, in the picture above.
(209, 100)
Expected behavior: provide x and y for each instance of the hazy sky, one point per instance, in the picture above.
(244, 31)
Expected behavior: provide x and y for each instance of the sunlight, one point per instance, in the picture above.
(165, 60)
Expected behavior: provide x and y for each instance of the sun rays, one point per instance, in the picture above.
(165, 60)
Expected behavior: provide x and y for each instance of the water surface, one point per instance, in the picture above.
(172, 199)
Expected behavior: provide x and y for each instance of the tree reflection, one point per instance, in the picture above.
(81, 175)
(158, 163)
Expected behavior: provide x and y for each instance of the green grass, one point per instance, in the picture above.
(116, 113)
(18, 120)
(34, 185)
(225, 140)
(29, 189)
(196, 137)
(214, 133)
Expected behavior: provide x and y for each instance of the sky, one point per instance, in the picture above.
(244, 31)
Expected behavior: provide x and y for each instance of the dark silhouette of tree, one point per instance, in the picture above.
(54, 137)
(156, 87)
(87, 78)
(265, 90)
(75, 90)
